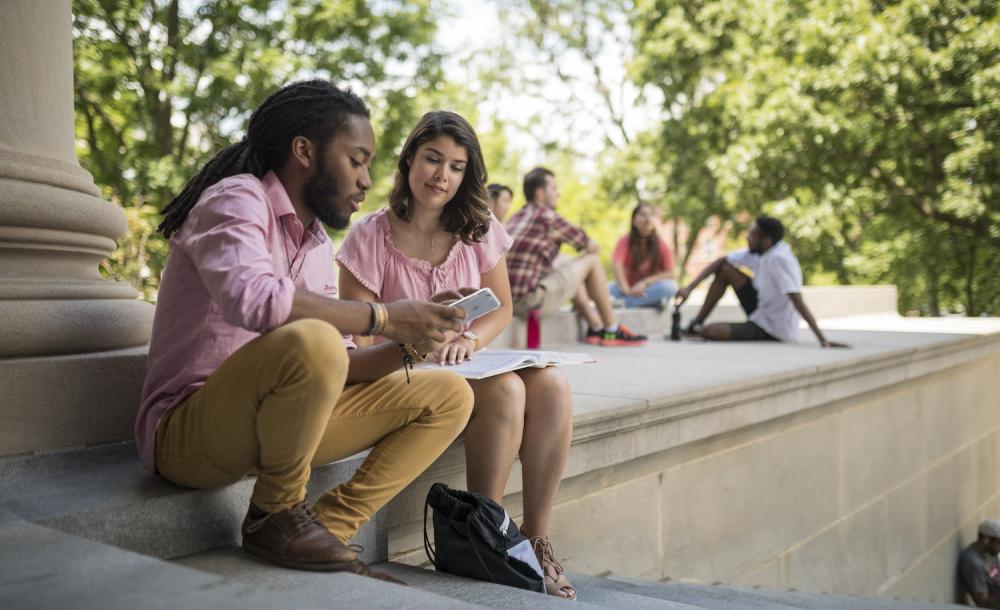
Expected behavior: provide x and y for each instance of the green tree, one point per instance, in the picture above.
(160, 85)
(870, 126)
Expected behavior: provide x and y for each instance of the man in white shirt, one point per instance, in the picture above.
(767, 280)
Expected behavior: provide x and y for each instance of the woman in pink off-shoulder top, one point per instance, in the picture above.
(439, 234)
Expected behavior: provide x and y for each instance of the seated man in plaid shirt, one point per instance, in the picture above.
(537, 283)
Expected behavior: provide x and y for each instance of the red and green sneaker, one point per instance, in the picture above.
(594, 337)
(622, 337)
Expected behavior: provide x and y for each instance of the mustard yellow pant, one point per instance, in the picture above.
(279, 406)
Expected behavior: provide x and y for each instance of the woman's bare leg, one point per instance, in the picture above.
(494, 433)
(548, 429)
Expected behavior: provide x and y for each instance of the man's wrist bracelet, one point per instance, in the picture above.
(410, 357)
(381, 318)
(371, 322)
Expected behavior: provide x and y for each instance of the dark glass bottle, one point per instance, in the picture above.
(675, 324)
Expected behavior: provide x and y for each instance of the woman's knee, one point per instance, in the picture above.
(550, 395)
(501, 398)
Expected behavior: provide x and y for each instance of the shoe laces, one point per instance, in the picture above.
(543, 546)
(301, 517)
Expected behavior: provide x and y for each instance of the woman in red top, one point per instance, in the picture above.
(643, 264)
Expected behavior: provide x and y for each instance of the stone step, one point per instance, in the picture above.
(477, 592)
(103, 494)
(824, 301)
(45, 569)
(726, 597)
(716, 598)
(333, 589)
(823, 601)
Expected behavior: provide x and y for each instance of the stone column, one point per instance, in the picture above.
(71, 343)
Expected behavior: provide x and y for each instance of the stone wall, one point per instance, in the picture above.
(870, 497)
(872, 493)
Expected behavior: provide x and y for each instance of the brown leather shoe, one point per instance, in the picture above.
(295, 538)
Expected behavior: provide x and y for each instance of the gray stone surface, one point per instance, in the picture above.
(721, 595)
(611, 594)
(335, 590)
(44, 569)
(103, 493)
(716, 598)
(819, 601)
(476, 592)
(54, 402)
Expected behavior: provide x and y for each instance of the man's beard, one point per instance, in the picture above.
(321, 194)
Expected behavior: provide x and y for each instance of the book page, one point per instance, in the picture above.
(489, 362)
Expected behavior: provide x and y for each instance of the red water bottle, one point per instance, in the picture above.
(534, 339)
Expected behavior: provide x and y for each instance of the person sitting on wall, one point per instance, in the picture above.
(250, 365)
(978, 567)
(437, 234)
(537, 282)
(643, 263)
(500, 197)
(767, 280)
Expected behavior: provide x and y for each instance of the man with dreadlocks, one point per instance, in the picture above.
(248, 370)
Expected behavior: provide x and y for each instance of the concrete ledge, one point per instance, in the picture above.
(61, 401)
(103, 494)
(824, 301)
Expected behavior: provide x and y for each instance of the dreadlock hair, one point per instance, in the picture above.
(643, 248)
(315, 109)
(467, 215)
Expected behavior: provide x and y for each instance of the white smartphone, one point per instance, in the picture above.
(477, 304)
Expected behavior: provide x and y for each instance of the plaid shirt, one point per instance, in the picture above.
(538, 232)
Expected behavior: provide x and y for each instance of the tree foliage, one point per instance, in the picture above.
(161, 85)
(870, 126)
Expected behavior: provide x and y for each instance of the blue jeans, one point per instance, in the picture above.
(656, 293)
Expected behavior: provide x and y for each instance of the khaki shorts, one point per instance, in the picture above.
(559, 286)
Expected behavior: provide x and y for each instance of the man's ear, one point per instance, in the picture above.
(303, 152)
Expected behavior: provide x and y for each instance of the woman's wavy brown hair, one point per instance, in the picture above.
(467, 215)
(642, 248)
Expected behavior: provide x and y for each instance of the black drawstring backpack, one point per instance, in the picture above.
(476, 538)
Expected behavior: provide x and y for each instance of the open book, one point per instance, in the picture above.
(489, 362)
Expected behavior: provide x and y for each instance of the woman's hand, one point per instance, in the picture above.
(447, 297)
(638, 289)
(457, 351)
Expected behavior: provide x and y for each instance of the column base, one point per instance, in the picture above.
(53, 402)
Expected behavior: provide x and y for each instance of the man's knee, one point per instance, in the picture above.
(589, 259)
(453, 392)
(731, 275)
(318, 345)
(716, 332)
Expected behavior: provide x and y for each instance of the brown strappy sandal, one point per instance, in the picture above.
(556, 582)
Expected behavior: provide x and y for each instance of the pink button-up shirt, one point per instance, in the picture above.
(231, 276)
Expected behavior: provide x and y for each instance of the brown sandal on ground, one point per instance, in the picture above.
(556, 582)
